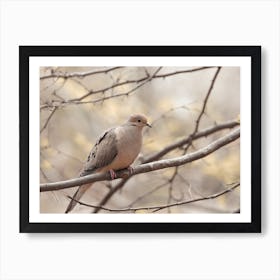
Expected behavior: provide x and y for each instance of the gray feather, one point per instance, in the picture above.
(103, 153)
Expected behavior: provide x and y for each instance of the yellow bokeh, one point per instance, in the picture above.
(226, 169)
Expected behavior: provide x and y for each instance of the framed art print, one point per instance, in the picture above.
(140, 138)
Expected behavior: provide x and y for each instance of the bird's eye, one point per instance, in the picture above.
(139, 120)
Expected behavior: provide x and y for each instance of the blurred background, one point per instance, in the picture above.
(78, 103)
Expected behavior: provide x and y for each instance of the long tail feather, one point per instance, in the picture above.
(78, 194)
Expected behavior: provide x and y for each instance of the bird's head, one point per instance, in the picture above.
(138, 120)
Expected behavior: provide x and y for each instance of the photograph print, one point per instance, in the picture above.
(141, 139)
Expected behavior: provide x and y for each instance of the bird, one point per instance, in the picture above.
(115, 149)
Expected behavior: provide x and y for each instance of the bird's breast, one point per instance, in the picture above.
(129, 142)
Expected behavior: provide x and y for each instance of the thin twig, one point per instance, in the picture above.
(79, 74)
(142, 80)
(147, 78)
(110, 193)
(206, 99)
(77, 101)
(48, 119)
(159, 207)
(58, 151)
(147, 194)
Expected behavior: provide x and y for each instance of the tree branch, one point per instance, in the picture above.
(143, 80)
(117, 187)
(76, 101)
(186, 140)
(148, 167)
(48, 119)
(78, 75)
(161, 207)
(206, 99)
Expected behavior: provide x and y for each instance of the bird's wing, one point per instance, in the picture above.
(103, 152)
(101, 155)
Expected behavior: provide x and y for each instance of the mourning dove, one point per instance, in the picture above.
(115, 149)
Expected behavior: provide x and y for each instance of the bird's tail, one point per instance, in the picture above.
(78, 194)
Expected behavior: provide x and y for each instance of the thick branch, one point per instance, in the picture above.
(187, 140)
(148, 167)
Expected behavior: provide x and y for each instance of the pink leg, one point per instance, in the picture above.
(130, 169)
(113, 174)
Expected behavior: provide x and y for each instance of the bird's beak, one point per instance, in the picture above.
(148, 125)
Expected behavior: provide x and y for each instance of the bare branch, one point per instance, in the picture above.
(206, 99)
(147, 78)
(48, 119)
(186, 140)
(75, 102)
(161, 207)
(148, 167)
(111, 192)
(91, 92)
(60, 152)
(183, 71)
(44, 175)
(198, 199)
(147, 194)
(78, 75)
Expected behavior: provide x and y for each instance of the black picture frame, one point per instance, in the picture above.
(254, 52)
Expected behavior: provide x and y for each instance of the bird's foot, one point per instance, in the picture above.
(130, 169)
(113, 174)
